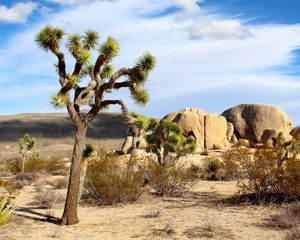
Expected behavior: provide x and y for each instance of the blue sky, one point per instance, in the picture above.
(212, 54)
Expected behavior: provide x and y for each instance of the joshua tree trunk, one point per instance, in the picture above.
(134, 142)
(23, 162)
(70, 213)
(82, 177)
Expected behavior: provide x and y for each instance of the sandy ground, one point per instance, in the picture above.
(197, 215)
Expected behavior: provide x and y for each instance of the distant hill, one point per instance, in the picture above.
(56, 129)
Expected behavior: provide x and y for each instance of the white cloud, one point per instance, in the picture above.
(19, 13)
(188, 5)
(73, 2)
(218, 29)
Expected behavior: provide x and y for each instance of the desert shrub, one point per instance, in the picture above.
(109, 183)
(268, 180)
(59, 183)
(270, 175)
(11, 166)
(6, 213)
(169, 179)
(48, 165)
(237, 162)
(293, 234)
(213, 169)
(34, 164)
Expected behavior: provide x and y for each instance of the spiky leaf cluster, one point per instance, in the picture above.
(74, 44)
(49, 38)
(141, 121)
(89, 151)
(140, 96)
(107, 71)
(147, 62)
(152, 124)
(59, 100)
(26, 143)
(80, 46)
(84, 56)
(74, 81)
(144, 66)
(110, 48)
(169, 127)
(90, 39)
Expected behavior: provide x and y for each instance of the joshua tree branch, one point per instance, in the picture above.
(100, 93)
(99, 63)
(61, 65)
(128, 120)
(77, 69)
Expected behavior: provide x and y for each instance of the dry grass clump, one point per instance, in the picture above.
(169, 179)
(213, 169)
(167, 231)
(23, 179)
(60, 172)
(153, 213)
(109, 183)
(293, 234)
(59, 183)
(289, 218)
(208, 230)
(48, 198)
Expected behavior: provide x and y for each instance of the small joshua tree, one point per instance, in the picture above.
(168, 138)
(141, 125)
(102, 80)
(26, 143)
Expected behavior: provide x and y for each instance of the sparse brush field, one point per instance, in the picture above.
(194, 208)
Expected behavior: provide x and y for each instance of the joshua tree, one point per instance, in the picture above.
(168, 138)
(26, 143)
(102, 80)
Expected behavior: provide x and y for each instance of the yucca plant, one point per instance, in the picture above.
(103, 80)
(6, 213)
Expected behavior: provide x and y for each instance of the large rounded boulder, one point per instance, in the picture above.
(250, 120)
(211, 131)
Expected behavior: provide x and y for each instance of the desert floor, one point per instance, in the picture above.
(199, 214)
